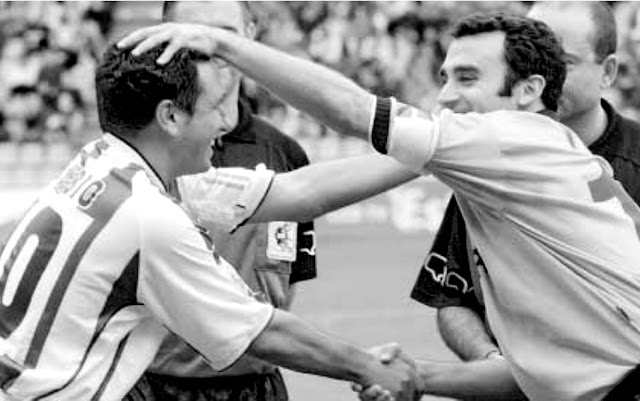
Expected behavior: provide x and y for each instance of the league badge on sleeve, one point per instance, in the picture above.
(282, 240)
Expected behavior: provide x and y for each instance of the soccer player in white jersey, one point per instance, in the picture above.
(104, 262)
(564, 302)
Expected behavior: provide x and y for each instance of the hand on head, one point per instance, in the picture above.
(177, 36)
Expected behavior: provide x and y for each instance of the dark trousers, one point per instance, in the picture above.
(627, 389)
(264, 387)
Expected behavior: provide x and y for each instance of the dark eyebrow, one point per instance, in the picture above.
(465, 69)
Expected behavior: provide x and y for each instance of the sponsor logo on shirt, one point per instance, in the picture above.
(282, 240)
(311, 251)
(436, 265)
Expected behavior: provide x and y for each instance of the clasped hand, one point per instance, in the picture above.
(401, 381)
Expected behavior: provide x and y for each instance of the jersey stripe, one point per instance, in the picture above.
(112, 369)
(104, 208)
(125, 285)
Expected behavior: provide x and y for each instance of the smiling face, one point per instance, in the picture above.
(473, 74)
(210, 119)
(574, 25)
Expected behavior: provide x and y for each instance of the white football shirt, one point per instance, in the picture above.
(99, 267)
(559, 238)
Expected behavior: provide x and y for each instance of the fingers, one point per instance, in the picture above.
(375, 393)
(145, 39)
(168, 53)
(153, 41)
(177, 36)
(137, 36)
(387, 352)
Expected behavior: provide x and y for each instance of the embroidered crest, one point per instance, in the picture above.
(282, 241)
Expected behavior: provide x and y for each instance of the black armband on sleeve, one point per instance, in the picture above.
(381, 123)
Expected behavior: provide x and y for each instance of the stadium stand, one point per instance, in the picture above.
(48, 51)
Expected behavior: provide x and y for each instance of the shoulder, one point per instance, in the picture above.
(624, 139)
(283, 143)
(630, 129)
(501, 125)
(160, 217)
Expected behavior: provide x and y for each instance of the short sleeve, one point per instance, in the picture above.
(413, 136)
(304, 267)
(194, 292)
(225, 196)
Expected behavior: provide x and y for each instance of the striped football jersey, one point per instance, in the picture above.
(100, 267)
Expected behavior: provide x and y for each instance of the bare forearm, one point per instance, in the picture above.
(464, 332)
(289, 342)
(311, 191)
(335, 101)
(487, 380)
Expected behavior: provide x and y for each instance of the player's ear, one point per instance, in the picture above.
(609, 71)
(170, 118)
(529, 90)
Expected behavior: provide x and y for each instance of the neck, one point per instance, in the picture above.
(158, 155)
(589, 125)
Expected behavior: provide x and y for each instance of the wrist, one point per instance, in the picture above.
(225, 43)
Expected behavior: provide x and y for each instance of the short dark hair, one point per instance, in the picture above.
(128, 88)
(605, 35)
(530, 47)
(168, 7)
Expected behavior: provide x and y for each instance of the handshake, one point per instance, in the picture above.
(396, 379)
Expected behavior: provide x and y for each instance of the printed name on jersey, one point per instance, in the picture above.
(91, 193)
(436, 265)
(282, 240)
(70, 179)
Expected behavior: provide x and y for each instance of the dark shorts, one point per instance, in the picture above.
(265, 387)
(628, 389)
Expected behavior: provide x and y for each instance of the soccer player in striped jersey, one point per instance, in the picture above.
(564, 302)
(105, 262)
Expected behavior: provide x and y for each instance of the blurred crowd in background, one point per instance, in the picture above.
(48, 51)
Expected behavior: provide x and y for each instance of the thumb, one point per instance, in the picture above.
(388, 352)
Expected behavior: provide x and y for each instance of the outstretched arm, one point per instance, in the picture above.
(289, 342)
(319, 91)
(488, 379)
(319, 188)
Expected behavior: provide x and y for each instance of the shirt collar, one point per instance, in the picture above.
(613, 120)
(125, 150)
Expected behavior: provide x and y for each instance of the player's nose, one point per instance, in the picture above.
(448, 97)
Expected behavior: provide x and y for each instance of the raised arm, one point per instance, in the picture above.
(319, 91)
